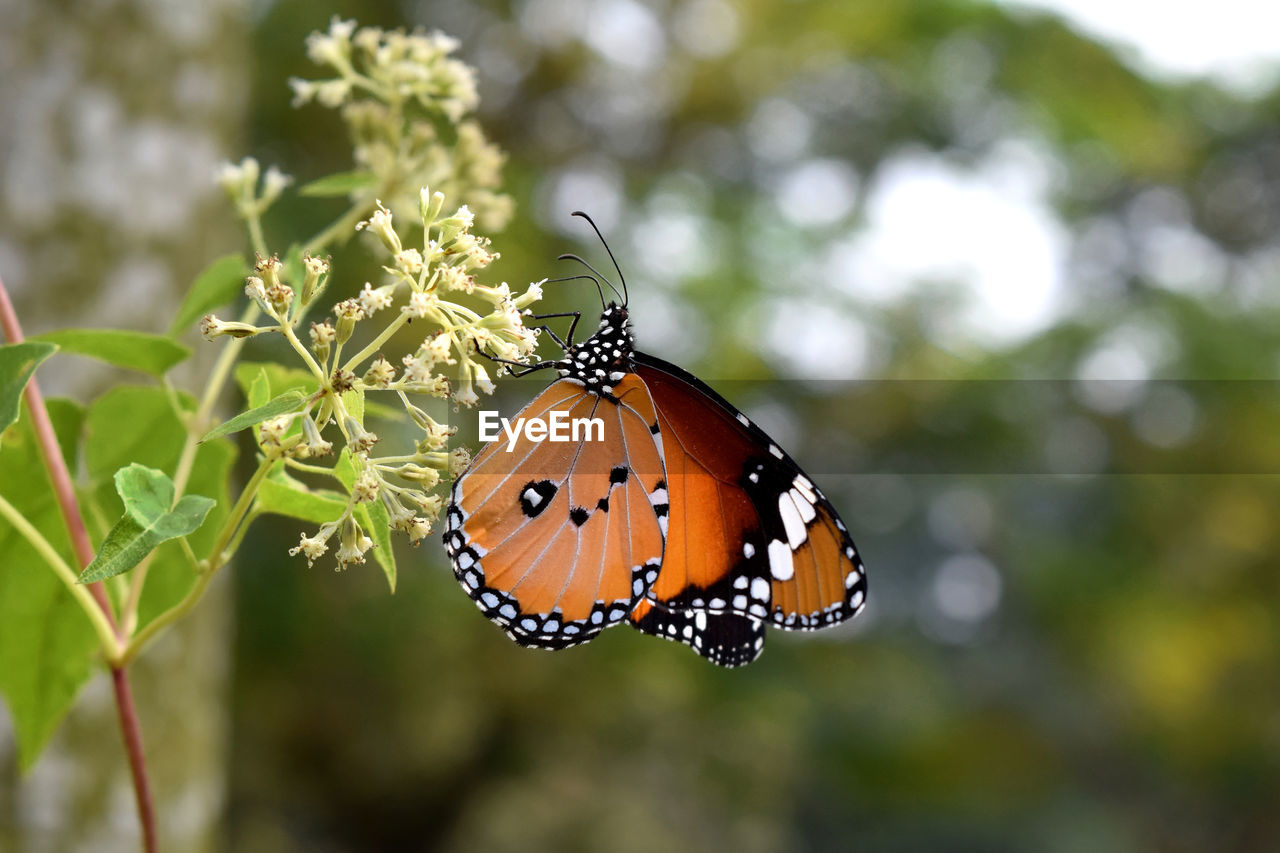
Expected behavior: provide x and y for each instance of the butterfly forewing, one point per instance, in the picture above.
(556, 541)
(750, 534)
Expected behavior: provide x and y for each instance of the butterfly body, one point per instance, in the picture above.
(687, 520)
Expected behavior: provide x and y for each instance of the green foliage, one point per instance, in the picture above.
(46, 644)
(338, 184)
(278, 379)
(109, 448)
(17, 363)
(286, 496)
(217, 285)
(151, 517)
(154, 354)
(290, 401)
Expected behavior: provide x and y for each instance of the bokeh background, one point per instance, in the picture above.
(1006, 280)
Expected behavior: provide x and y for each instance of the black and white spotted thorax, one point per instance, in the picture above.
(602, 360)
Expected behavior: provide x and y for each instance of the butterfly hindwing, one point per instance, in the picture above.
(556, 541)
(725, 639)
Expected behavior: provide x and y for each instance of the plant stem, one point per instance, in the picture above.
(376, 344)
(64, 491)
(131, 731)
(111, 645)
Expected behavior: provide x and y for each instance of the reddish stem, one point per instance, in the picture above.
(60, 479)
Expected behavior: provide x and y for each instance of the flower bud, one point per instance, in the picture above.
(211, 327)
(273, 183)
(380, 224)
(280, 298)
(316, 444)
(361, 441)
(430, 205)
(313, 279)
(353, 545)
(349, 311)
(322, 337)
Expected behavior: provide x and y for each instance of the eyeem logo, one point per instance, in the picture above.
(557, 427)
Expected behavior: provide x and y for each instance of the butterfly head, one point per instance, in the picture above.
(604, 358)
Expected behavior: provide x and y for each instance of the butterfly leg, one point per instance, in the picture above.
(576, 315)
(526, 369)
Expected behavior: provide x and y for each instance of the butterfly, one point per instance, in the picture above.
(680, 516)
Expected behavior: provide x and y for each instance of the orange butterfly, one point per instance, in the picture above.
(686, 519)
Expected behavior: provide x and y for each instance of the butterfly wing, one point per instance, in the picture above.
(556, 541)
(751, 539)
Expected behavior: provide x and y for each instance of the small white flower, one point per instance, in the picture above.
(374, 300)
(410, 261)
(422, 303)
(459, 461)
(366, 486)
(417, 370)
(437, 349)
(333, 93)
(482, 380)
(313, 547)
(381, 373)
(531, 295)
(273, 183)
(379, 222)
(466, 395)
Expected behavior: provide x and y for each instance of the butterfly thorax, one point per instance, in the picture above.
(603, 359)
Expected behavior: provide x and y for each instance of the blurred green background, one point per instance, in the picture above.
(1057, 657)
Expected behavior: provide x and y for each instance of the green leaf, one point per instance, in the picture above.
(218, 284)
(154, 354)
(354, 402)
(285, 403)
(146, 492)
(17, 363)
(338, 184)
(279, 378)
(109, 448)
(378, 525)
(296, 501)
(47, 646)
(259, 391)
(147, 522)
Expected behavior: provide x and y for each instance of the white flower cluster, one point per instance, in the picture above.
(427, 280)
(389, 86)
(394, 90)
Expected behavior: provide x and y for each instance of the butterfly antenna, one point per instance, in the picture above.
(605, 243)
(569, 256)
(591, 278)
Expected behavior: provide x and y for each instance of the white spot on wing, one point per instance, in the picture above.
(775, 450)
(804, 505)
(760, 589)
(791, 520)
(748, 550)
(532, 497)
(780, 564)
